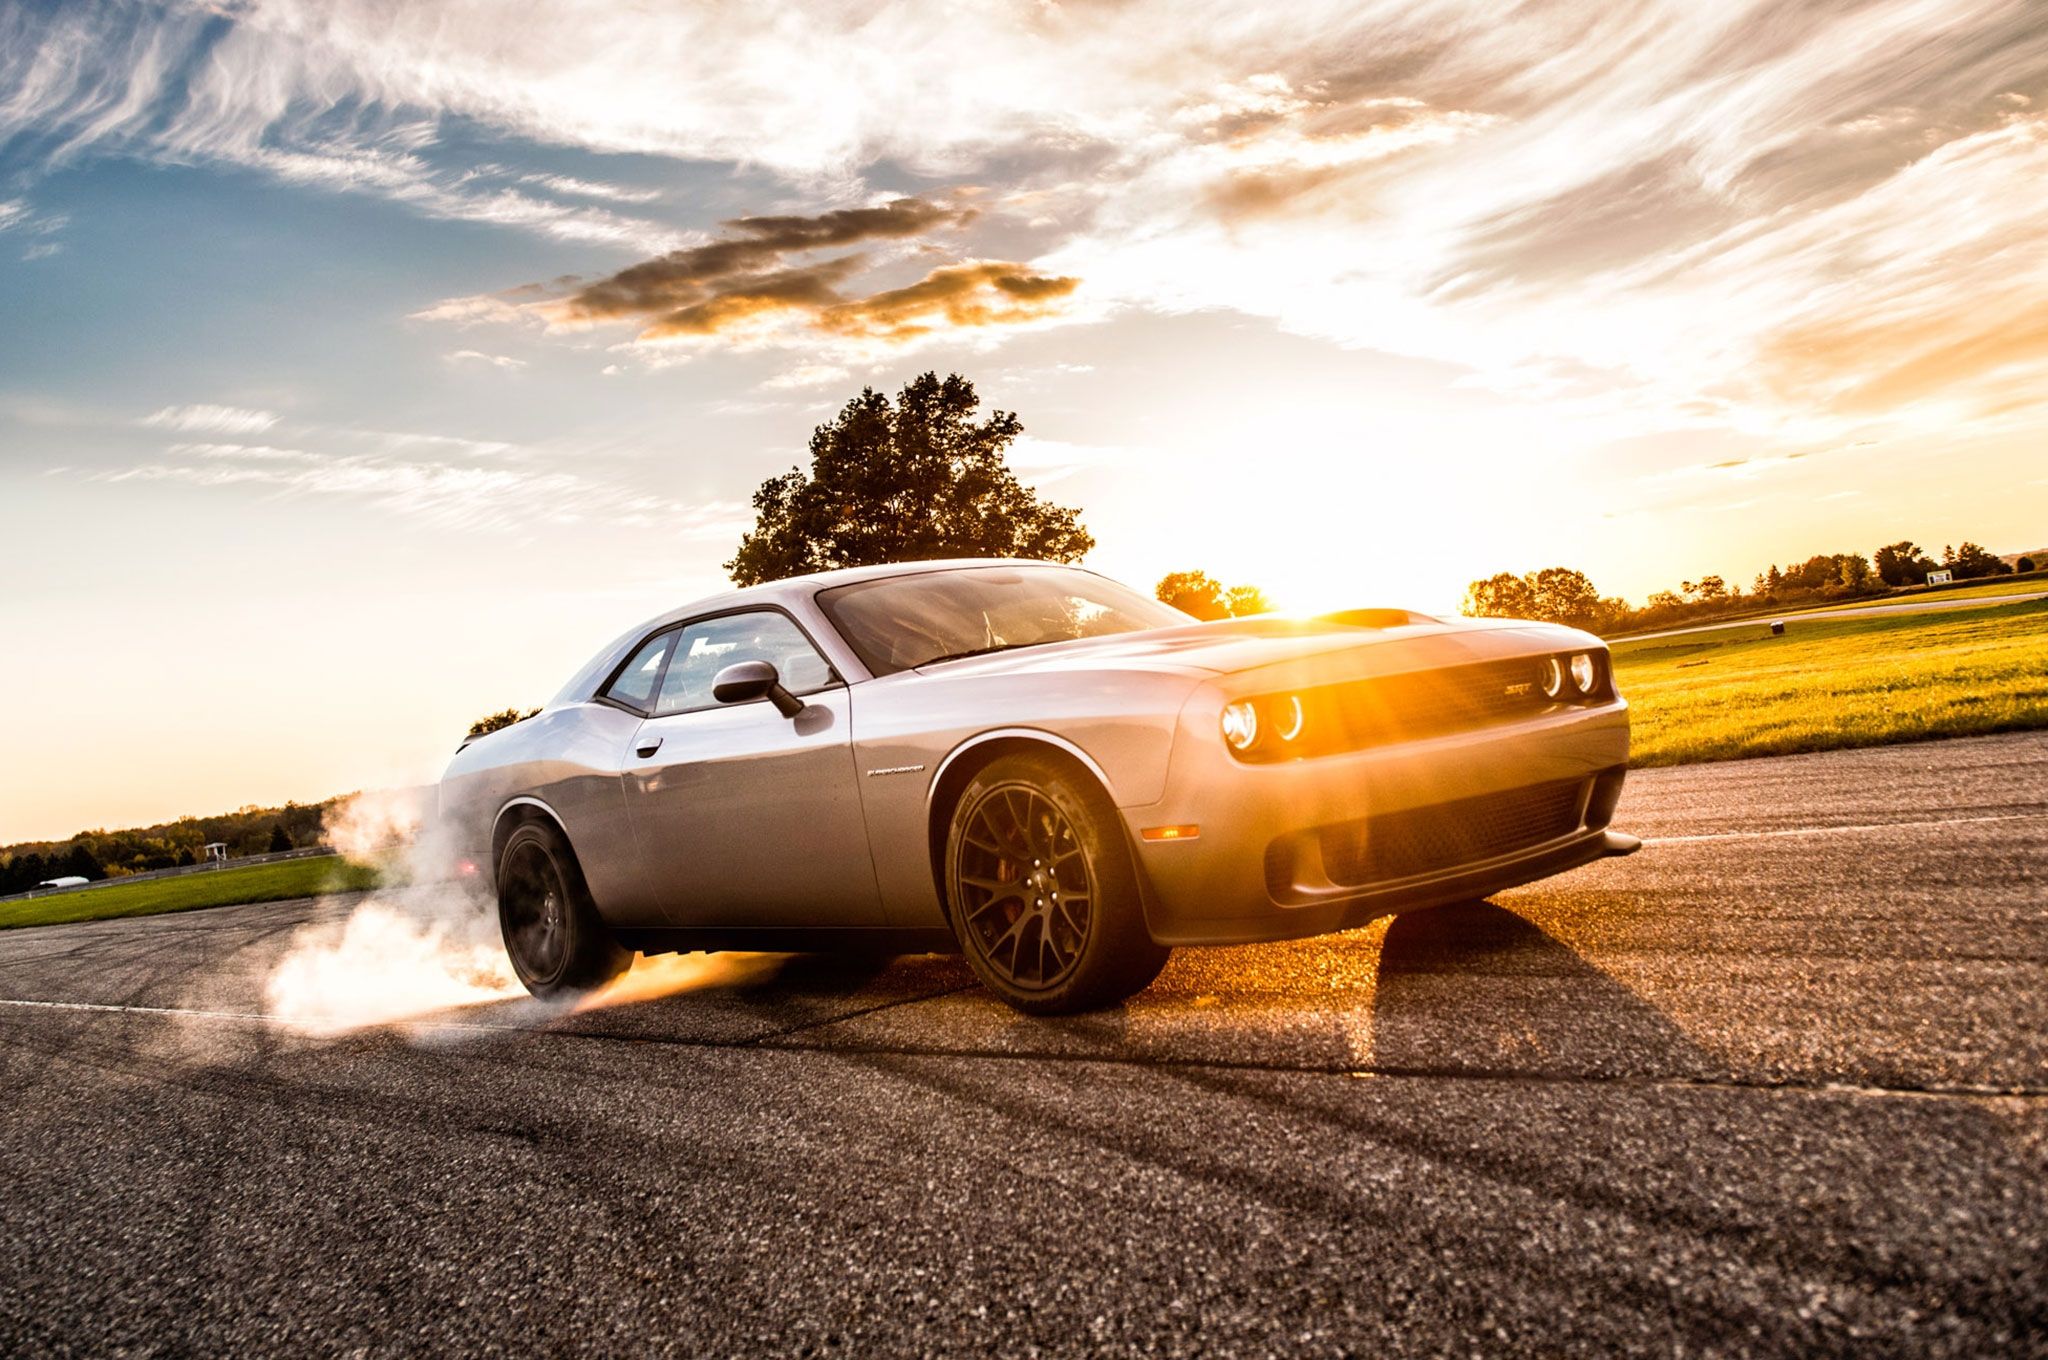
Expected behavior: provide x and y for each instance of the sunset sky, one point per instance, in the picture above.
(365, 365)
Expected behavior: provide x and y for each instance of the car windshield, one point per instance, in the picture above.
(899, 622)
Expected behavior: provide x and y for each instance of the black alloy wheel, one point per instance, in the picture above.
(552, 932)
(1043, 893)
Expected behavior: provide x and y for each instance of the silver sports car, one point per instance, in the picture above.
(1052, 772)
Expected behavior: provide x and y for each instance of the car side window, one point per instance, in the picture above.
(709, 646)
(634, 686)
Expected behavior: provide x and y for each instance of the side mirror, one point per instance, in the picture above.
(745, 681)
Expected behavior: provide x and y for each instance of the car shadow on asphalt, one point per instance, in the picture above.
(1472, 987)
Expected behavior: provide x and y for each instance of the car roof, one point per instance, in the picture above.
(783, 592)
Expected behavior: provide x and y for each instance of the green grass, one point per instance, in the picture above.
(1831, 683)
(220, 888)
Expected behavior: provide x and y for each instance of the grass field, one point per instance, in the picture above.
(1831, 683)
(224, 887)
(1975, 590)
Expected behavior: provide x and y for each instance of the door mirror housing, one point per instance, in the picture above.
(745, 681)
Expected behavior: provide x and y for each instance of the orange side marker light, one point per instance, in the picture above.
(1171, 833)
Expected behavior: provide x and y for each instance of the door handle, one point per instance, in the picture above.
(647, 747)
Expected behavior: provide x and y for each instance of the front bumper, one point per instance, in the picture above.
(1311, 846)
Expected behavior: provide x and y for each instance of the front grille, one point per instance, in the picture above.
(1427, 840)
(1429, 703)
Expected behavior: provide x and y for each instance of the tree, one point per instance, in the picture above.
(279, 841)
(1194, 592)
(1971, 560)
(1855, 572)
(1902, 564)
(491, 722)
(905, 482)
(1245, 601)
(1566, 596)
(1202, 595)
(1500, 596)
(1706, 590)
(82, 863)
(2024, 564)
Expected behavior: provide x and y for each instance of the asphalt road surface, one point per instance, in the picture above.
(1859, 611)
(1777, 1084)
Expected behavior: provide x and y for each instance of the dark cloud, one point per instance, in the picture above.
(683, 280)
(715, 288)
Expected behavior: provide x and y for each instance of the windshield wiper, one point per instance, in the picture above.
(979, 651)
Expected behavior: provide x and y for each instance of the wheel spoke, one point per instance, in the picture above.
(1073, 923)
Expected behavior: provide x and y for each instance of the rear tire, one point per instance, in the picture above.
(1041, 889)
(558, 945)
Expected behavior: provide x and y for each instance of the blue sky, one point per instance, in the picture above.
(331, 414)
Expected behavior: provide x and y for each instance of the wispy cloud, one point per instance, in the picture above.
(478, 357)
(212, 419)
(443, 481)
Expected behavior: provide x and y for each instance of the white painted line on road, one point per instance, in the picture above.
(252, 1018)
(1838, 830)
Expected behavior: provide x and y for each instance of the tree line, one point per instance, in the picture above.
(167, 845)
(1563, 595)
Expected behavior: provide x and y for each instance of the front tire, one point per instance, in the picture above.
(558, 945)
(1043, 895)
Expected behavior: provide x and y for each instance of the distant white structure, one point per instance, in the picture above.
(68, 881)
(1941, 577)
(216, 852)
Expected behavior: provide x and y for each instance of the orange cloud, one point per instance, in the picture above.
(978, 293)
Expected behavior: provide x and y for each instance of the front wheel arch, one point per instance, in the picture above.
(970, 760)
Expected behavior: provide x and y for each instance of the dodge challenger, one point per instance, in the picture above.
(1059, 776)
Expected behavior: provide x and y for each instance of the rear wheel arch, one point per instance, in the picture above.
(515, 815)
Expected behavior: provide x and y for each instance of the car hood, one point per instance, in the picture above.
(1230, 645)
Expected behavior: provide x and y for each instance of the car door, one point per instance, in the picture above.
(745, 817)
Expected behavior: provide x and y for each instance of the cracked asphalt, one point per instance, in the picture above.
(1778, 1084)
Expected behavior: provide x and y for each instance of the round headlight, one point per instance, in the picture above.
(1241, 724)
(1583, 672)
(1552, 677)
(1287, 717)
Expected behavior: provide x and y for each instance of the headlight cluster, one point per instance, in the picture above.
(1345, 717)
(1579, 667)
(1273, 720)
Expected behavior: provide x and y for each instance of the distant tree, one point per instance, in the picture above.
(1194, 592)
(279, 841)
(81, 862)
(2024, 564)
(1902, 563)
(1566, 596)
(491, 722)
(185, 856)
(1971, 560)
(1500, 596)
(1245, 601)
(1706, 590)
(1855, 574)
(905, 482)
(1664, 600)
